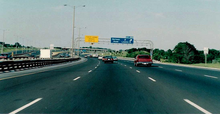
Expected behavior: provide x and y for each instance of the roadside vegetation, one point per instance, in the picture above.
(183, 53)
(186, 53)
(13, 47)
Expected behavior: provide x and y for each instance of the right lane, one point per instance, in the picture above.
(188, 81)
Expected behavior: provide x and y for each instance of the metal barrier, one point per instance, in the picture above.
(13, 65)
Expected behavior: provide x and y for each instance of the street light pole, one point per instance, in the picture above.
(78, 43)
(3, 41)
(72, 46)
(73, 31)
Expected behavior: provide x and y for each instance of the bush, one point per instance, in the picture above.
(134, 54)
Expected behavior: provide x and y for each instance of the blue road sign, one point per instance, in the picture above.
(122, 40)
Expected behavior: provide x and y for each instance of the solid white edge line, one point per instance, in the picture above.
(210, 76)
(76, 78)
(197, 106)
(178, 70)
(152, 79)
(25, 106)
(138, 71)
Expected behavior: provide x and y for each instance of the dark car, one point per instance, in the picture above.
(143, 60)
(67, 55)
(108, 59)
(62, 55)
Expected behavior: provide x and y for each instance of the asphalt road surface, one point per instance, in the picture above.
(96, 87)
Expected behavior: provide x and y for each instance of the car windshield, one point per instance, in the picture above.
(108, 57)
(144, 57)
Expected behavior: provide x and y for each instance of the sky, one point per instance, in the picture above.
(164, 22)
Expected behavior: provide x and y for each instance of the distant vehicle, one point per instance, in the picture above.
(103, 58)
(115, 58)
(67, 55)
(95, 55)
(100, 57)
(33, 55)
(62, 55)
(108, 59)
(5, 56)
(45, 53)
(143, 60)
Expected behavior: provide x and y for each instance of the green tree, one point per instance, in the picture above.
(184, 52)
(158, 54)
(134, 54)
(132, 50)
(212, 55)
(168, 55)
(17, 44)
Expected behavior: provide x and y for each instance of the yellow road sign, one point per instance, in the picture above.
(92, 39)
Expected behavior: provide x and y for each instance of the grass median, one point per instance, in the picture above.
(209, 65)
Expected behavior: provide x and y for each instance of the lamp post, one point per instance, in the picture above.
(78, 43)
(3, 37)
(72, 46)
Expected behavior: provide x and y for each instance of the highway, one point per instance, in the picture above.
(95, 87)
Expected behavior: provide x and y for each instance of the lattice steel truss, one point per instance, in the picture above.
(108, 41)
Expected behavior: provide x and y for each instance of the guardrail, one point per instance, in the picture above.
(14, 65)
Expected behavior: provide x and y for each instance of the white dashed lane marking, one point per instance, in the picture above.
(210, 76)
(76, 79)
(138, 71)
(197, 106)
(25, 106)
(152, 79)
(90, 71)
(178, 70)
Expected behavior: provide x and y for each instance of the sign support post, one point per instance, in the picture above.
(206, 51)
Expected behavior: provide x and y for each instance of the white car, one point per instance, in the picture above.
(100, 58)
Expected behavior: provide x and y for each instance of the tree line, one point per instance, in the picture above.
(183, 52)
(186, 53)
(17, 44)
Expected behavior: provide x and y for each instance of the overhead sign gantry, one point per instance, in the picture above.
(128, 40)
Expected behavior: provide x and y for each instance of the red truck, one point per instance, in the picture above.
(143, 60)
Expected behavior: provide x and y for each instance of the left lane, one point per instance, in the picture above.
(17, 96)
